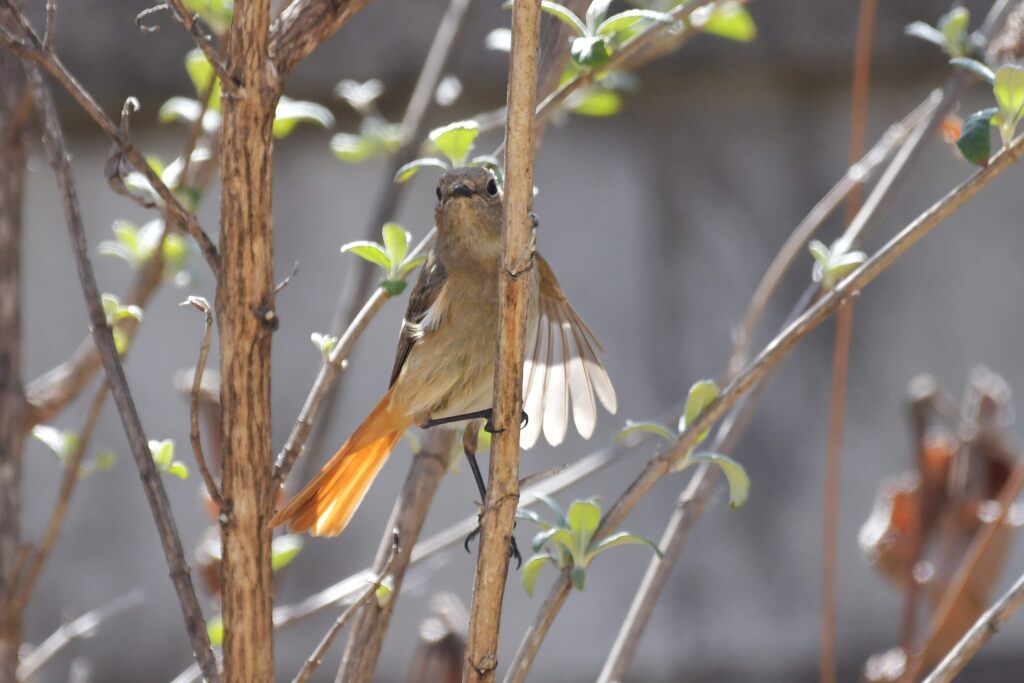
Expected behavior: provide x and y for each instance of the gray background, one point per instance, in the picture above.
(659, 223)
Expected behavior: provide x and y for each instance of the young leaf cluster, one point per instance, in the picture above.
(65, 443)
(950, 34)
(163, 457)
(1007, 84)
(116, 312)
(832, 264)
(454, 142)
(701, 395)
(376, 136)
(568, 542)
(136, 246)
(391, 256)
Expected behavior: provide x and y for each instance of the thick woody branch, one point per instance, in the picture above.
(18, 37)
(153, 486)
(303, 26)
(516, 286)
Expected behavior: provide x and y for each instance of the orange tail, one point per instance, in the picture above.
(327, 503)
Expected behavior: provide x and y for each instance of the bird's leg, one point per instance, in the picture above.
(487, 413)
(469, 444)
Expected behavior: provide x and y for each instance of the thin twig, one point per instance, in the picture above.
(370, 594)
(72, 474)
(197, 382)
(515, 279)
(366, 637)
(191, 23)
(153, 486)
(979, 634)
(83, 627)
(28, 46)
(774, 353)
(831, 486)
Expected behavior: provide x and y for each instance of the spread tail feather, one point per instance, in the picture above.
(328, 501)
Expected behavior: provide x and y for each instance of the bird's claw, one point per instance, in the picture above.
(513, 549)
(491, 429)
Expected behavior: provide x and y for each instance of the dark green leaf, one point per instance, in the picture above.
(975, 141)
(590, 51)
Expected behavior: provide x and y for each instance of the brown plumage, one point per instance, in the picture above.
(444, 364)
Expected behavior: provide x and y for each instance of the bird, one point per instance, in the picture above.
(444, 365)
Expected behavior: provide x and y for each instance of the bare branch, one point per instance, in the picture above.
(28, 46)
(516, 280)
(197, 383)
(203, 41)
(81, 628)
(367, 636)
(978, 635)
(157, 497)
(321, 649)
(303, 26)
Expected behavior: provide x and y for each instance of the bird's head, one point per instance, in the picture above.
(469, 211)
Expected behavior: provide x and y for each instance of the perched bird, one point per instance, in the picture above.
(444, 366)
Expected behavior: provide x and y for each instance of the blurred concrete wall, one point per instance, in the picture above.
(659, 223)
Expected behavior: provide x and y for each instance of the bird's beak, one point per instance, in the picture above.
(460, 190)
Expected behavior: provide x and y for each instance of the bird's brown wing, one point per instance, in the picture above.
(561, 362)
(428, 285)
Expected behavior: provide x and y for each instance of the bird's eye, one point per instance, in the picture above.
(438, 193)
(492, 187)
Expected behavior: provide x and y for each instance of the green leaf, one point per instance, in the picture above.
(531, 570)
(283, 550)
(393, 287)
(627, 19)
(412, 168)
(563, 14)
(975, 67)
(178, 469)
(215, 13)
(578, 576)
(369, 251)
(52, 438)
(919, 29)
(185, 109)
(324, 342)
(215, 629)
(596, 13)
(739, 482)
(560, 536)
(396, 242)
(953, 25)
(975, 141)
(584, 518)
(455, 140)
(104, 461)
(533, 518)
(360, 96)
(822, 255)
(290, 113)
(635, 428)
(412, 264)
(499, 40)
(591, 51)
(555, 508)
(624, 538)
(1009, 91)
(384, 591)
(701, 395)
(728, 20)
(351, 148)
(163, 452)
(201, 72)
(594, 102)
